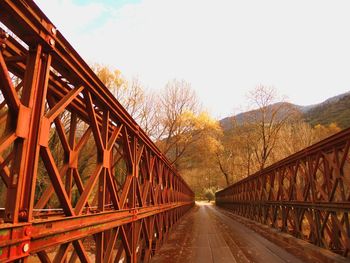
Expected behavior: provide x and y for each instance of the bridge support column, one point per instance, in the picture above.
(26, 149)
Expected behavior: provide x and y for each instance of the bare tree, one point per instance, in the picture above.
(132, 96)
(293, 137)
(149, 118)
(225, 160)
(268, 119)
(234, 157)
(178, 109)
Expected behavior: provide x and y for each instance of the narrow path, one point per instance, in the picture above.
(207, 235)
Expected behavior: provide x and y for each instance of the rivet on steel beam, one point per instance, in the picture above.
(28, 231)
(25, 247)
(53, 30)
(52, 42)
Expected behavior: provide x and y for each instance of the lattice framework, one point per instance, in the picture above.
(80, 180)
(306, 195)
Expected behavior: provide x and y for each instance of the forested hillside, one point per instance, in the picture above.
(333, 110)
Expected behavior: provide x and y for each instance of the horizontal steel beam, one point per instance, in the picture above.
(327, 207)
(46, 233)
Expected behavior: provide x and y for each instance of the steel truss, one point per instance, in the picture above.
(306, 195)
(55, 117)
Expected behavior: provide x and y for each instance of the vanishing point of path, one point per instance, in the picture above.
(207, 234)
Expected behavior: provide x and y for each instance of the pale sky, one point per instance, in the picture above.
(224, 48)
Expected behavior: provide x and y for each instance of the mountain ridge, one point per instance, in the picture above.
(335, 109)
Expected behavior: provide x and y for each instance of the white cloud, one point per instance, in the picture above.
(71, 19)
(223, 47)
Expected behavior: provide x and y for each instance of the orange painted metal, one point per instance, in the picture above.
(306, 195)
(78, 178)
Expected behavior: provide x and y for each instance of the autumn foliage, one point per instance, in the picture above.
(207, 155)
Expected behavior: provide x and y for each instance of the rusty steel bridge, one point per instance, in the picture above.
(61, 201)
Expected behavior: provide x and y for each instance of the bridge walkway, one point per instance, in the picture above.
(209, 234)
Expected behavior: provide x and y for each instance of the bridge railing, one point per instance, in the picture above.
(306, 195)
(78, 178)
